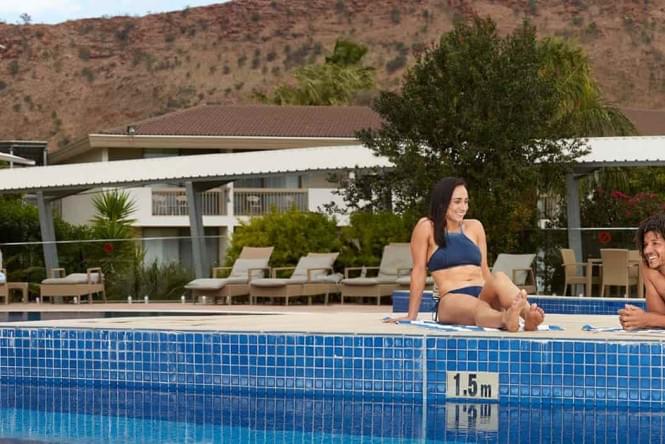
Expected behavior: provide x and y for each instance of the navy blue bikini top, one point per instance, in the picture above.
(459, 250)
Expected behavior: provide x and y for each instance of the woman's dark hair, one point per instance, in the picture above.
(442, 192)
(656, 224)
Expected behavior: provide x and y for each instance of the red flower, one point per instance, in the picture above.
(604, 237)
(108, 248)
(618, 195)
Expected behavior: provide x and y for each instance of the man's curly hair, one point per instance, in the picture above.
(656, 224)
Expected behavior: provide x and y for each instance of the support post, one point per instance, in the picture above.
(573, 213)
(48, 232)
(199, 255)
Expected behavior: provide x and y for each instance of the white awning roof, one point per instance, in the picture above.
(16, 159)
(605, 152)
(197, 168)
(624, 151)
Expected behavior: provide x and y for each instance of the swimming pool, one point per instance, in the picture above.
(20, 316)
(90, 415)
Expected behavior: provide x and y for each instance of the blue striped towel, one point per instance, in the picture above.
(593, 329)
(452, 328)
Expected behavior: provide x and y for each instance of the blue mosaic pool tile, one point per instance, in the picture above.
(410, 367)
(551, 304)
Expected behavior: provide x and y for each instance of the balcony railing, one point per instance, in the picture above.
(173, 202)
(257, 201)
(246, 202)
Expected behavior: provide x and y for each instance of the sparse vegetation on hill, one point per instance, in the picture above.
(99, 73)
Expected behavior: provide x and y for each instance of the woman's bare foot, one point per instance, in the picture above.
(511, 317)
(532, 314)
(534, 317)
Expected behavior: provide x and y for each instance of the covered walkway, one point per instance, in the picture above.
(196, 174)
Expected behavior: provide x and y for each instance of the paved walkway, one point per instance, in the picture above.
(345, 319)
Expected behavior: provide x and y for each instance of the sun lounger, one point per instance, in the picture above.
(310, 276)
(74, 285)
(252, 263)
(395, 263)
(518, 268)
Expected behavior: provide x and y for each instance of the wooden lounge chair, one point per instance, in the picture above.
(395, 263)
(308, 279)
(74, 285)
(252, 263)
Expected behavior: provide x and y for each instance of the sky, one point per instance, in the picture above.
(56, 11)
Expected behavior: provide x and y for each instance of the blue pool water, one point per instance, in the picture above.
(30, 414)
(21, 316)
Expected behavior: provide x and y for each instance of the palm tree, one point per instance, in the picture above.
(113, 211)
(581, 102)
(335, 82)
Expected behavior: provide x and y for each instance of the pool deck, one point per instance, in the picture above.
(331, 319)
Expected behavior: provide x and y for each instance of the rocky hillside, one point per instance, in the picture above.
(59, 82)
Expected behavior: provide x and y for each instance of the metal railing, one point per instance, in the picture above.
(173, 202)
(258, 201)
(246, 202)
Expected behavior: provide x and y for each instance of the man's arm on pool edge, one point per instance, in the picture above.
(632, 317)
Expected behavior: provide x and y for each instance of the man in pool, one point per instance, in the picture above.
(650, 239)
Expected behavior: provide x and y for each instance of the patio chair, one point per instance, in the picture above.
(574, 272)
(618, 271)
(311, 270)
(74, 285)
(518, 268)
(395, 263)
(252, 263)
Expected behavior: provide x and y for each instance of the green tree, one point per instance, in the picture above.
(335, 82)
(580, 100)
(475, 106)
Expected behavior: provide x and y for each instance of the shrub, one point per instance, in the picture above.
(395, 64)
(157, 281)
(84, 53)
(363, 240)
(293, 234)
(13, 67)
(88, 74)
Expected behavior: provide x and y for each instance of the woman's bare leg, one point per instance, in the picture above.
(468, 310)
(500, 294)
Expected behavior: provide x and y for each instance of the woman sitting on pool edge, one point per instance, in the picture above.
(455, 252)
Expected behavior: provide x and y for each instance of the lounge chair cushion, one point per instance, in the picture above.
(360, 281)
(277, 282)
(74, 278)
(506, 263)
(3, 278)
(395, 258)
(308, 262)
(213, 284)
(242, 266)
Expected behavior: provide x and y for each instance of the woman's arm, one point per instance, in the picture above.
(419, 247)
(420, 239)
(632, 317)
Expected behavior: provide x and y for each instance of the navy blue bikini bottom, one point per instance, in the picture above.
(473, 290)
